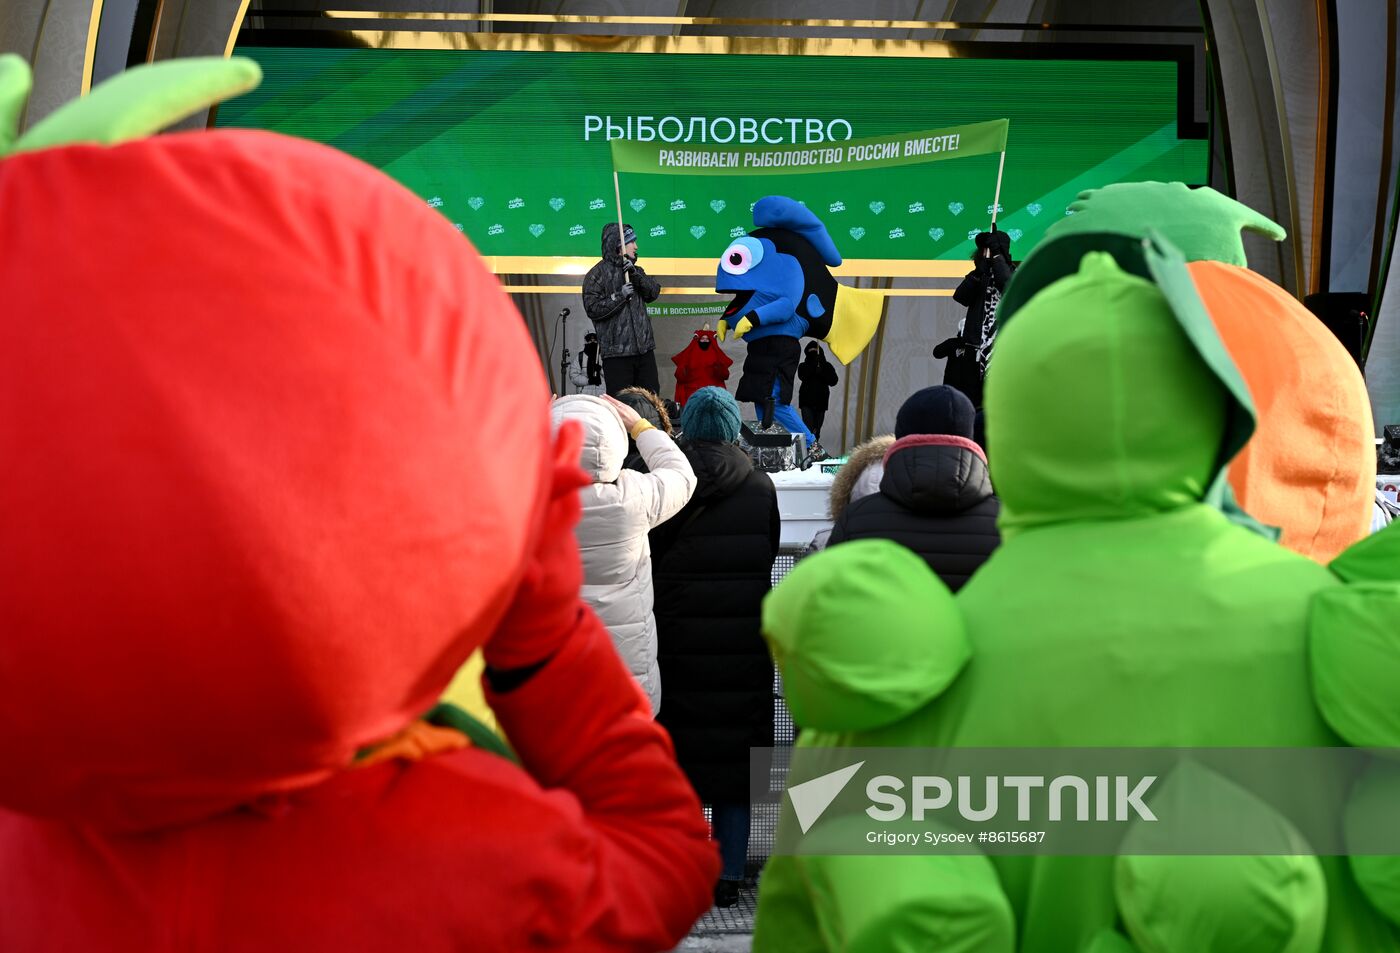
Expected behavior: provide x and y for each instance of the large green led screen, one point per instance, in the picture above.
(512, 146)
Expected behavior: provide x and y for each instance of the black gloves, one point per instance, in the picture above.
(1001, 271)
(946, 348)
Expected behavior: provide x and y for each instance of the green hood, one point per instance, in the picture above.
(1110, 394)
(864, 633)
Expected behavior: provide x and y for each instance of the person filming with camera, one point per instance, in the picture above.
(967, 353)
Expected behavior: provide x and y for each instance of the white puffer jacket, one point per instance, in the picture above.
(619, 508)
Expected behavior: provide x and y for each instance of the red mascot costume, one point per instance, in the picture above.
(248, 385)
(701, 364)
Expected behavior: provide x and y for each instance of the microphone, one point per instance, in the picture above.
(564, 358)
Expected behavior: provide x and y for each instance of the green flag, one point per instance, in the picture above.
(908, 148)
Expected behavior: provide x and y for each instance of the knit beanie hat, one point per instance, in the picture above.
(711, 414)
(936, 410)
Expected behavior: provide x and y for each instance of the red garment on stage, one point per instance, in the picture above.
(276, 458)
(700, 365)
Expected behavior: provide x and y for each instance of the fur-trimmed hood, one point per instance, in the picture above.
(649, 406)
(861, 474)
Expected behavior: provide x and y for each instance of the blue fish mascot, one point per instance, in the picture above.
(783, 289)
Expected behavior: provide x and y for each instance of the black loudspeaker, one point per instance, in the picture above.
(1346, 314)
(1388, 453)
(772, 449)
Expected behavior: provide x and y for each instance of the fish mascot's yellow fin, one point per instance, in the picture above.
(853, 321)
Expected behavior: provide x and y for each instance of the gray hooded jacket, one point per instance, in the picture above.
(622, 323)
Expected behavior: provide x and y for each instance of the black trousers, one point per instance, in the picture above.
(813, 419)
(634, 370)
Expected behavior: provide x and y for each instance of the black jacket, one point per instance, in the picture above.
(712, 565)
(963, 370)
(818, 376)
(936, 499)
(971, 292)
(622, 323)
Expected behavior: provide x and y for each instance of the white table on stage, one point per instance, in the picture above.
(802, 502)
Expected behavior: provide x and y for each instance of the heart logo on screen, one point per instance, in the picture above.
(698, 231)
(1034, 208)
(718, 205)
(956, 207)
(476, 202)
(936, 234)
(459, 226)
(857, 233)
(556, 203)
(638, 204)
(971, 234)
(877, 207)
(537, 230)
(1015, 234)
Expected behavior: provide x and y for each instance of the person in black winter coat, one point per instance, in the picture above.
(818, 376)
(711, 568)
(615, 293)
(961, 370)
(936, 495)
(650, 408)
(967, 354)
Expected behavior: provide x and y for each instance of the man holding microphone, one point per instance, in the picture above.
(615, 293)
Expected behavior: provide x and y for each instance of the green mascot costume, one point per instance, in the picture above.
(1309, 468)
(1123, 609)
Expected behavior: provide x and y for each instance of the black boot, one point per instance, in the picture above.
(727, 893)
(769, 407)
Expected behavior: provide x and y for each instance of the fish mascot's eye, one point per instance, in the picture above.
(739, 257)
